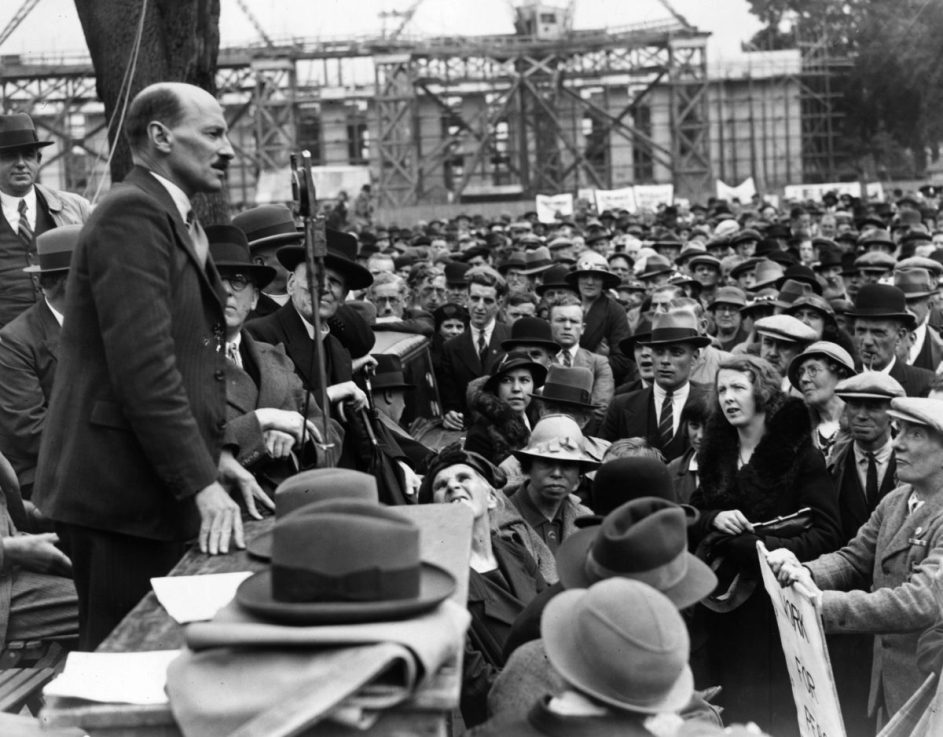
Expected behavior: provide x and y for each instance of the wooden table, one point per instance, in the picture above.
(445, 540)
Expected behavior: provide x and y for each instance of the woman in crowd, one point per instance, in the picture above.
(818, 314)
(757, 462)
(502, 410)
(815, 373)
(503, 576)
(450, 320)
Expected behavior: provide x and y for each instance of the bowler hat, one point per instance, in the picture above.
(230, 251)
(388, 373)
(820, 349)
(304, 489)
(530, 331)
(455, 273)
(620, 642)
(918, 411)
(341, 255)
(268, 225)
(54, 249)
(914, 283)
(680, 327)
(558, 438)
(568, 386)
(555, 278)
(17, 130)
(323, 572)
(644, 539)
(882, 301)
(870, 385)
(515, 360)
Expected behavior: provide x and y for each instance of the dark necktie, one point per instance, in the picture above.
(482, 348)
(871, 483)
(666, 425)
(23, 230)
(567, 360)
(198, 237)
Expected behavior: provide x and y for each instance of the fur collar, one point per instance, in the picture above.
(772, 469)
(505, 427)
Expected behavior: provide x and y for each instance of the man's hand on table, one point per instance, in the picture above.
(234, 477)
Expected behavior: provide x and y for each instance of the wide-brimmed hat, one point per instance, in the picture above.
(655, 265)
(820, 349)
(17, 130)
(530, 331)
(389, 374)
(815, 302)
(882, 302)
(645, 539)
(876, 261)
(870, 385)
(557, 438)
(300, 491)
(569, 386)
(622, 643)
(744, 266)
(747, 234)
(785, 328)
(323, 570)
(790, 291)
(918, 411)
(877, 238)
(914, 283)
(537, 261)
(555, 278)
(591, 263)
(704, 260)
(230, 251)
(802, 274)
(268, 225)
(768, 273)
(515, 360)
(54, 249)
(677, 327)
(341, 256)
(728, 296)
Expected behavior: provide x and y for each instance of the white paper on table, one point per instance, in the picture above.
(123, 678)
(197, 598)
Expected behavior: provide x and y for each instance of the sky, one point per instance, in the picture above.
(53, 28)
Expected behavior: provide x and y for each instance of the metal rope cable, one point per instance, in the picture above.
(124, 97)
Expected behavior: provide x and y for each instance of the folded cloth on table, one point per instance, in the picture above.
(241, 665)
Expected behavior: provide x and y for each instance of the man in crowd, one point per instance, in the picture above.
(268, 228)
(782, 338)
(28, 353)
(26, 210)
(926, 349)
(131, 464)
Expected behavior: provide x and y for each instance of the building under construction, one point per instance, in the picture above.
(546, 109)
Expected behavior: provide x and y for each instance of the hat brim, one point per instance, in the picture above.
(698, 341)
(906, 317)
(609, 280)
(568, 457)
(27, 144)
(538, 373)
(564, 402)
(279, 239)
(568, 658)
(262, 275)
(656, 272)
(356, 276)
(536, 269)
(255, 595)
(37, 269)
(378, 387)
(867, 395)
(698, 580)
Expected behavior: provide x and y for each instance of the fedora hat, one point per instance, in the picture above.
(744, 266)
(654, 266)
(882, 301)
(389, 374)
(870, 385)
(680, 327)
(584, 629)
(645, 539)
(17, 130)
(814, 301)
(640, 337)
(557, 438)
(300, 491)
(230, 251)
(341, 255)
(322, 572)
(914, 283)
(591, 263)
(802, 274)
(877, 238)
(514, 261)
(515, 360)
(728, 296)
(569, 386)
(54, 249)
(555, 278)
(530, 331)
(690, 251)
(820, 349)
(768, 272)
(268, 225)
(790, 291)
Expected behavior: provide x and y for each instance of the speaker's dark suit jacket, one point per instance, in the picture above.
(138, 407)
(29, 348)
(460, 365)
(633, 415)
(916, 381)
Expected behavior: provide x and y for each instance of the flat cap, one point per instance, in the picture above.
(785, 328)
(870, 385)
(875, 261)
(918, 411)
(934, 268)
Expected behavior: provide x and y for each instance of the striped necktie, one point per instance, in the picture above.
(666, 424)
(23, 229)
(482, 348)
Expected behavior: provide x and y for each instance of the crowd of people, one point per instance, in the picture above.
(627, 402)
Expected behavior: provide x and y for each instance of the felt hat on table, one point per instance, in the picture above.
(344, 561)
(54, 249)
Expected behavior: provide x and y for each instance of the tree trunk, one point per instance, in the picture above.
(179, 43)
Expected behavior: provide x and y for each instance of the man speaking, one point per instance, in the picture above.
(131, 456)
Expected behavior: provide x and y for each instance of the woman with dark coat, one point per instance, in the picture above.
(503, 576)
(756, 463)
(502, 409)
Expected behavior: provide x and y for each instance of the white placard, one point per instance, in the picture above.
(551, 208)
(650, 196)
(615, 199)
(810, 670)
(742, 192)
(817, 191)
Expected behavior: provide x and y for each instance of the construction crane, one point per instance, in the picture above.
(255, 23)
(25, 9)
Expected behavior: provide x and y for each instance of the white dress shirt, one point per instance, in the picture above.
(572, 351)
(11, 209)
(232, 350)
(882, 457)
(920, 335)
(487, 331)
(678, 400)
(55, 313)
